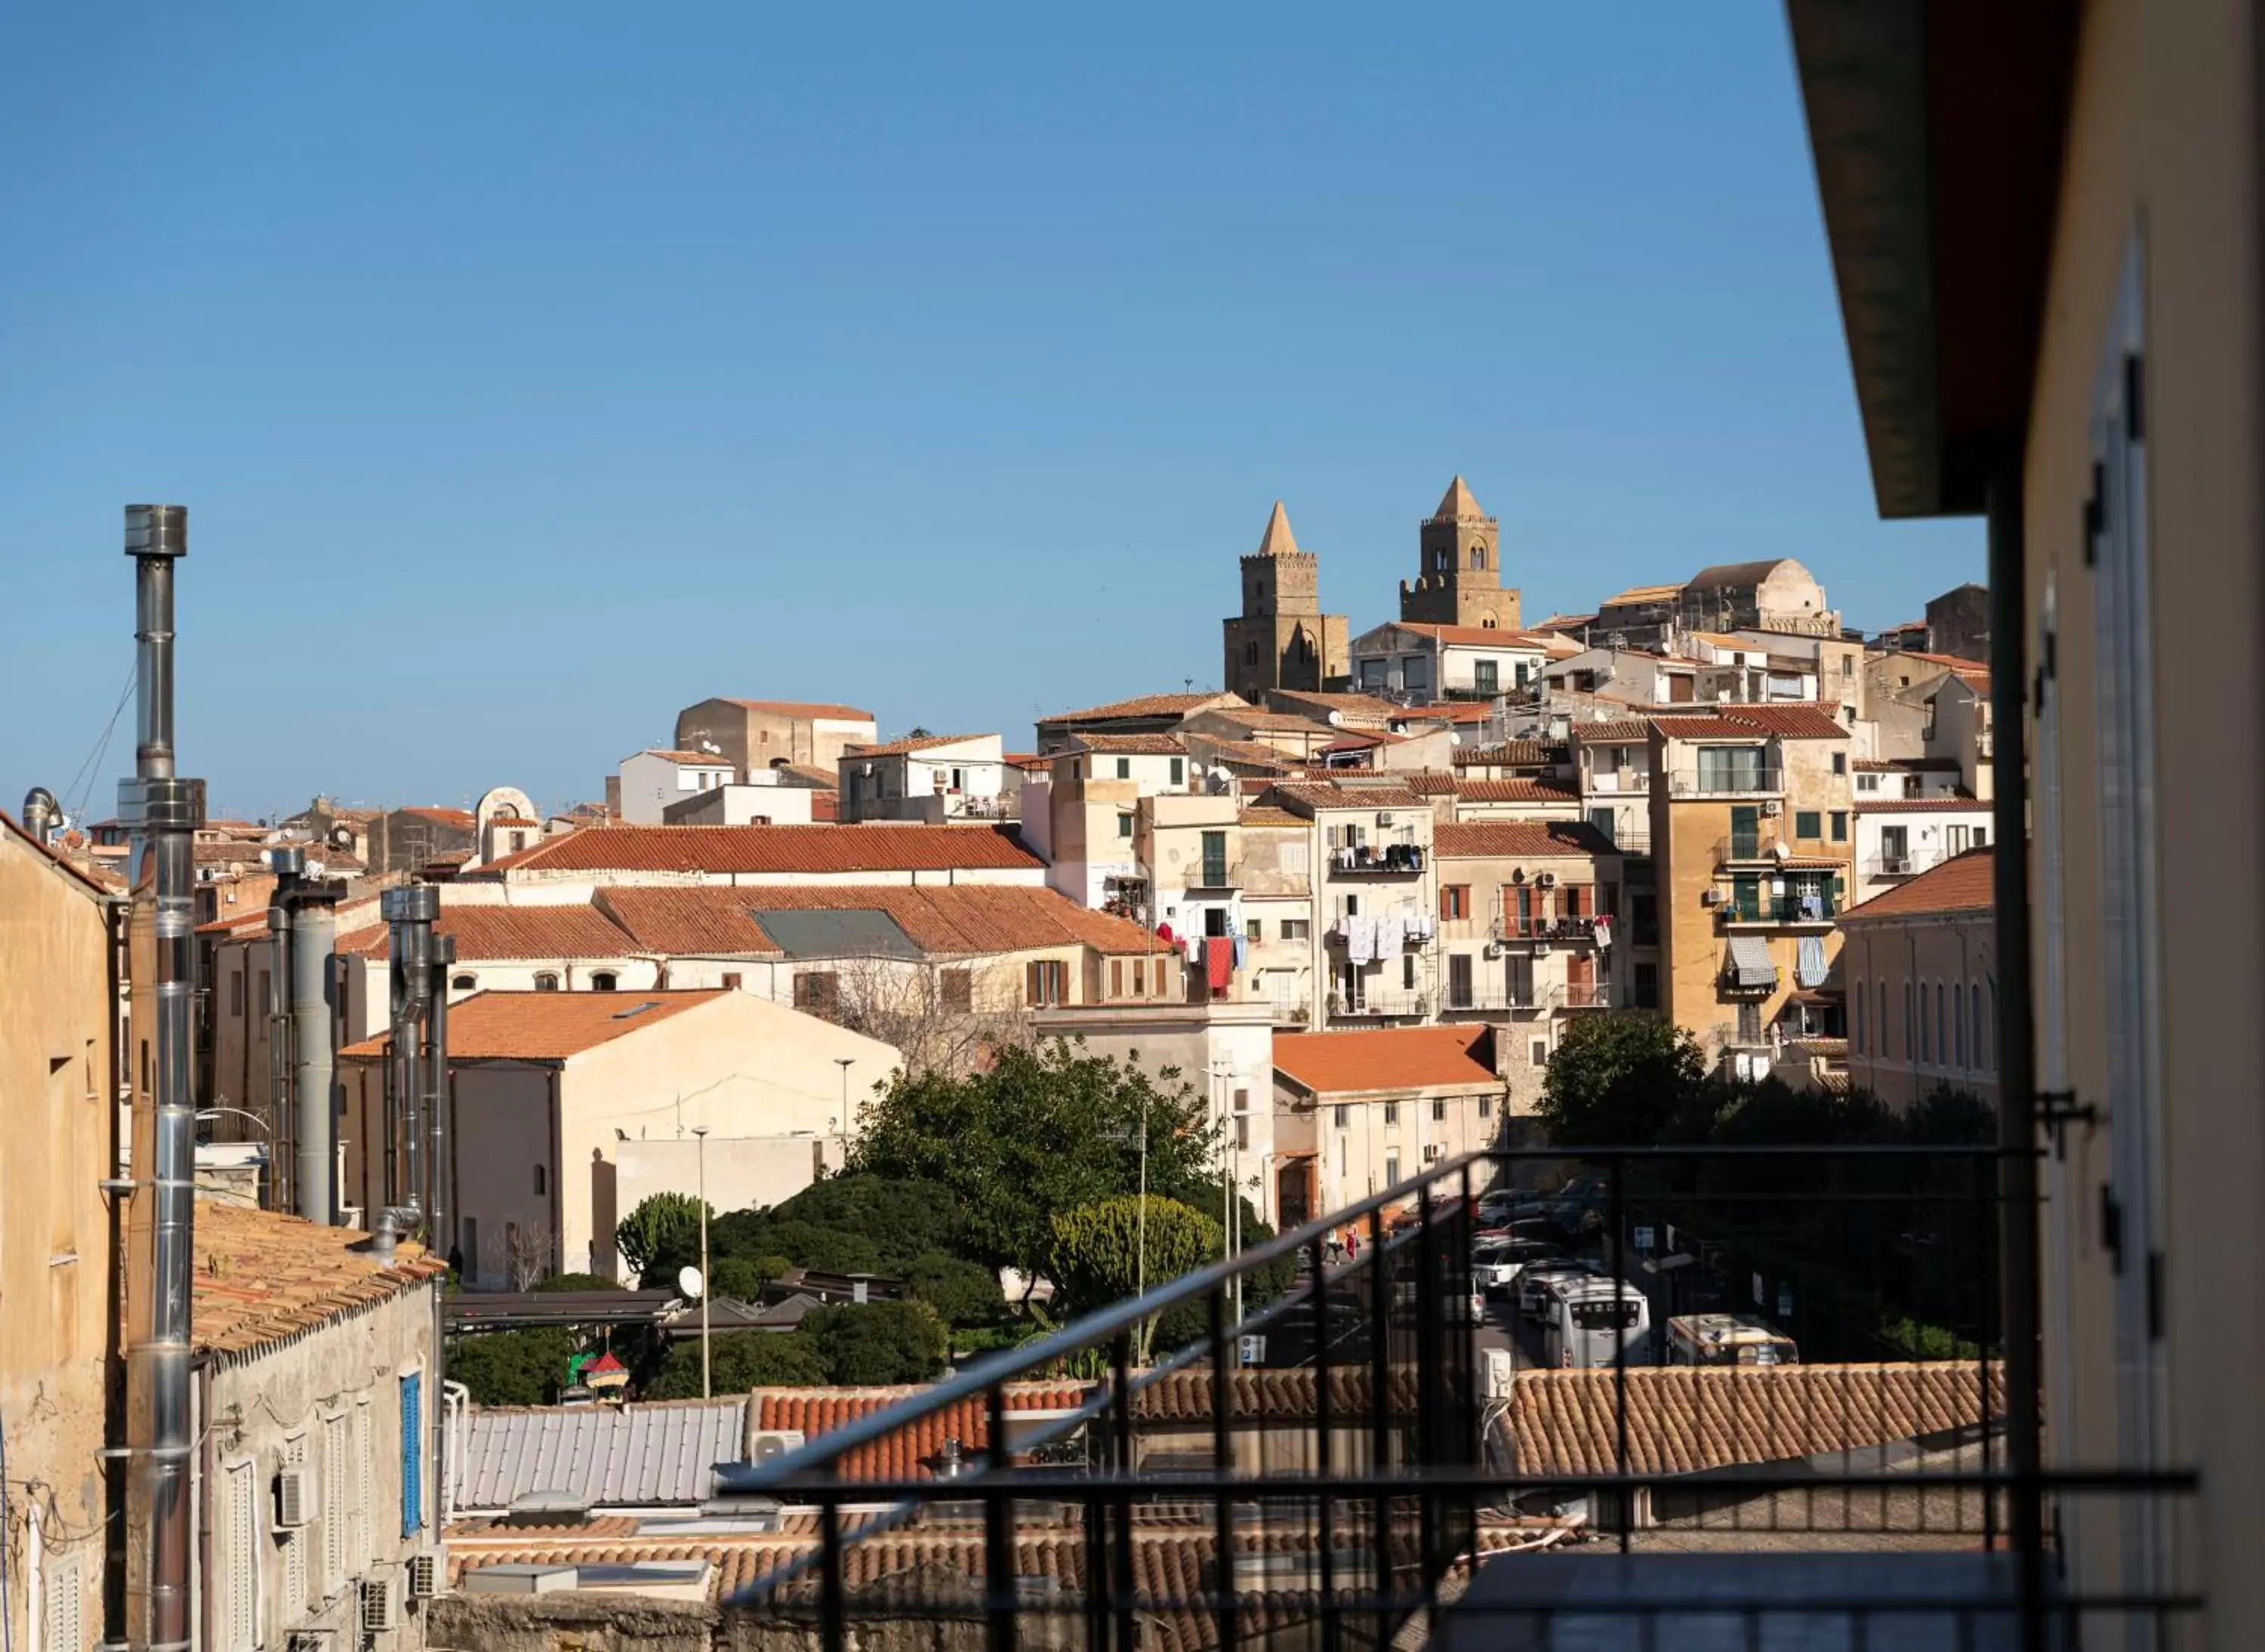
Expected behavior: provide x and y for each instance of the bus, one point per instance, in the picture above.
(1728, 1339)
(1595, 1322)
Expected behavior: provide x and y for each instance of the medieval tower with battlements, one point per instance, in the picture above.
(1282, 639)
(1459, 581)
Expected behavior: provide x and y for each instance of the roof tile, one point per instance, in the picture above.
(1518, 839)
(1387, 1059)
(547, 1026)
(1965, 883)
(882, 847)
(262, 1277)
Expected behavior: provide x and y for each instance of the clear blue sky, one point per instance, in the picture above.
(532, 371)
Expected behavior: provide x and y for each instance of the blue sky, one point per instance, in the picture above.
(533, 371)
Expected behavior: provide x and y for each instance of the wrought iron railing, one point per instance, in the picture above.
(1763, 1401)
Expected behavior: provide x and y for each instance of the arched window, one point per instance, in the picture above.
(1478, 556)
(1941, 1043)
(463, 983)
(1440, 561)
(1958, 1023)
(1257, 593)
(1856, 1025)
(602, 981)
(546, 982)
(1250, 653)
(1488, 622)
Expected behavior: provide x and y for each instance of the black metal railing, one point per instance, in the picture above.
(1758, 1387)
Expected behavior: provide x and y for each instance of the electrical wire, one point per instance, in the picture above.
(92, 767)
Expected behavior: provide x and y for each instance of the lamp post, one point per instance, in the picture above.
(706, 1287)
(1140, 1220)
(1230, 1174)
(845, 1062)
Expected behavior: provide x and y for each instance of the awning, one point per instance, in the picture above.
(1750, 964)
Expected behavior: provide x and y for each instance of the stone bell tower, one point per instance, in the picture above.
(1459, 581)
(1282, 639)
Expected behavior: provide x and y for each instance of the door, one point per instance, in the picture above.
(1895, 849)
(1580, 980)
(1745, 832)
(1459, 980)
(1518, 977)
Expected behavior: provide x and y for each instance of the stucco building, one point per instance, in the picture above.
(1282, 639)
(1777, 594)
(933, 778)
(1459, 579)
(654, 782)
(753, 734)
(1917, 965)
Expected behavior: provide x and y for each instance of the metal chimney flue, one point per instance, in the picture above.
(42, 814)
(164, 811)
(302, 924)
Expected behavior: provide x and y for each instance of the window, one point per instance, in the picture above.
(236, 1520)
(1647, 986)
(1392, 1112)
(293, 1544)
(956, 989)
(1116, 978)
(1438, 1112)
(732, 978)
(1296, 929)
(1486, 1107)
(817, 991)
(412, 1455)
(1250, 653)
(602, 981)
(65, 1614)
(1486, 676)
(518, 841)
(1179, 771)
(1867, 782)
(1391, 1169)
(1454, 901)
(1731, 768)
(1540, 1053)
(1254, 930)
(1340, 1116)
(1941, 1043)
(1840, 826)
(1839, 762)
(1879, 1023)
(1459, 980)
(1958, 1023)
(236, 992)
(359, 1513)
(542, 1183)
(1124, 768)
(1808, 823)
(1124, 825)
(1478, 556)
(463, 983)
(338, 1475)
(1045, 982)
(264, 1001)
(1847, 664)
(1910, 1027)
(1407, 972)
(1140, 977)
(1431, 1152)
(1856, 1021)
(546, 982)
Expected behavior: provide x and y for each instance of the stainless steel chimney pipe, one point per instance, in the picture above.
(410, 913)
(286, 862)
(42, 814)
(164, 811)
(313, 1074)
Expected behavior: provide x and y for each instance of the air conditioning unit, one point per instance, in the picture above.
(1548, 880)
(1541, 948)
(1501, 1373)
(294, 1499)
(1493, 949)
(424, 1575)
(1384, 819)
(1772, 809)
(774, 1443)
(1709, 897)
(381, 1604)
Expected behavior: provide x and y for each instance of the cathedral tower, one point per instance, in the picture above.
(1459, 581)
(1282, 639)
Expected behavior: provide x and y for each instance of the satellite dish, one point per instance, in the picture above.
(690, 1284)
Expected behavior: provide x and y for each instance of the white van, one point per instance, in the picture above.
(1728, 1339)
(1597, 1322)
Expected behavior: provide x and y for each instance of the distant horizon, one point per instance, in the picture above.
(526, 388)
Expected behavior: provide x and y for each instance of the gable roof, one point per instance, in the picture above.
(1129, 744)
(703, 760)
(814, 709)
(1613, 732)
(905, 1454)
(910, 743)
(1366, 704)
(881, 847)
(939, 919)
(489, 934)
(1146, 705)
(1516, 788)
(1386, 1058)
(1473, 636)
(439, 816)
(1322, 794)
(1745, 719)
(262, 1277)
(1741, 573)
(1519, 840)
(1953, 803)
(547, 1026)
(1964, 882)
(1637, 596)
(1535, 752)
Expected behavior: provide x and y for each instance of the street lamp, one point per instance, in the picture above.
(1230, 1174)
(1140, 1220)
(707, 1286)
(845, 1062)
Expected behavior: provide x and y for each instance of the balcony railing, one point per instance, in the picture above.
(1568, 929)
(1762, 847)
(1619, 781)
(1324, 1439)
(1747, 782)
(1811, 907)
(1581, 996)
(1394, 860)
(1213, 875)
(1891, 865)
(1381, 1006)
(1415, 928)
(1485, 1000)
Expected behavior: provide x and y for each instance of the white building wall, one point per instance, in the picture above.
(649, 783)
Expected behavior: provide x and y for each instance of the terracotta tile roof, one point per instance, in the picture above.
(1366, 704)
(1428, 783)
(1321, 794)
(1387, 1059)
(1509, 753)
(1260, 815)
(94, 886)
(1361, 740)
(1686, 1420)
(262, 1277)
(1455, 711)
(1130, 745)
(942, 919)
(1471, 636)
(1281, 721)
(1250, 752)
(1275, 1392)
(1957, 803)
(1799, 721)
(885, 846)
(1964, 882)
(1639, 593)
(1519, 840)
(1563, 621)
(444, 816)
(1146, 705)
(1948, 662)
(815, 709)
(512, 820)
(1613, 732)
(902, 1455)
(700, 760)
(1907, 764)
(494, 933)
(547, 1026)
(910, 743)
(817, 775)
(1516, 789)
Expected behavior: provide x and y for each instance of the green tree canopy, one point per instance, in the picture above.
(868, 1343)
(578, 1282)
(1045, 1130)
(662, 1230)
(962, 1292)
(1625, 1080)
(740, 1360)
(1095, 1257)
(855, 1223)
(515, 1367)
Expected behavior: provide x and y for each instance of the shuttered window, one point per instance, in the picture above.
(337, 1477)
(64, 1624)
(293, 1544)
(413, 1457)
(235, 1529)
(363, 1520)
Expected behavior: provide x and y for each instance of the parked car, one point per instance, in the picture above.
(1521, 1227)
(1578, 1207)
(1495, 1266)
(1533, 1282)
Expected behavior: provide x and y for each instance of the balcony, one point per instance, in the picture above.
(1568, 930)
(1379, 1006)
(1617, 782)
(1318, 1454)
(1726, 783)
(1760, 849)
(1213, 875)
(1569, 995)
(1892, 866)
(1415, 928)
(1381, 860)
(1812, 908)
(1490, 1001)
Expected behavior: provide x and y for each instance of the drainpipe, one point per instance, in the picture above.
(207, 1474)
(165, 811)
(436, 1198)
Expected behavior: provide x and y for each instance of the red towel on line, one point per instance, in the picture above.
(1218, 961)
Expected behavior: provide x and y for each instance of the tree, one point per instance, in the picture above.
(962, 1292)
(875, 1342)
(740, 1360)
(738, 1278)
(1045, 1130)
(1095, 1258)
(527, 1254)
(662, 1227)
(1624, 1081)
(854, 1223)
(513, 1367)
(935, 1026)
(577, 1282)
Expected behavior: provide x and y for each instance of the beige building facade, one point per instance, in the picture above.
(753, 734)
(1917, 963)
